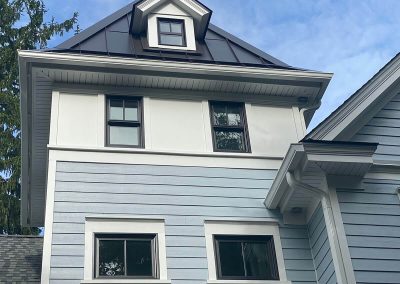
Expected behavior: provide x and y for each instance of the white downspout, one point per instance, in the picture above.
(337, 255)
(303, 110)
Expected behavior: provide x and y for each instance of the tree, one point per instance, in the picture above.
(22, 26)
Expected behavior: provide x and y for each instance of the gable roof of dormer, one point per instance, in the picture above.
(200, 13)
(112, 36)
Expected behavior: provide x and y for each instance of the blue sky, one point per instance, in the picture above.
(351, 38)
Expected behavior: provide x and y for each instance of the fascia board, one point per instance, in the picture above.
(357, 105)
(179, 67)
(279, 186)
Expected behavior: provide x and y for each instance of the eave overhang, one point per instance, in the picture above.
(311, 166)
(200, 13)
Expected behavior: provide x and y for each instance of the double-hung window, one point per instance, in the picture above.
(124, 122)
(126, 256)
(229, 127)
(246, 258)
(171, 32)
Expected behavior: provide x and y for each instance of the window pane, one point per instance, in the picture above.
(231, 260)
(120, 135)
(176, 28)
(255, 256)
(234, 115)
(229, 140)
(171, 40)
(111, 258)
(165, 27)
(131, 110)
(220, 117)
(116, 110)
(138, 258)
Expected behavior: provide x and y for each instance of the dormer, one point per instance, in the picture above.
(170, 24)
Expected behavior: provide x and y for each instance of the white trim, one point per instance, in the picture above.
(48, 232)
(341, 236)
(55, 104)
(142, 156)
(182, 67)
(146, 110)
(101, 120)
(153, 33)
(207, 127)
(123, 281)
(124, 226)
(361, 106)
(242, 228)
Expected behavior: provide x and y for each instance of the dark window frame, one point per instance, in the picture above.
(128, 237)
(243, 127)
(242, 239)
(125, 123)
(169, 20)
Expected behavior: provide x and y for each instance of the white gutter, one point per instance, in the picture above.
(169, 66)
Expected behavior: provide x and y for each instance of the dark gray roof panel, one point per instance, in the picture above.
(21, 259)
(119, 43)
(220, 50)
(244, 56)
(111, 36)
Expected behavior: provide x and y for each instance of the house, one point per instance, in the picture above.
(158, 148)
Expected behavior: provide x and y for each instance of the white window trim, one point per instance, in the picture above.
(95, 225)
(152, 32)
(244, 229)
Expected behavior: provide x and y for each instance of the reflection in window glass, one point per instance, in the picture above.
(246, 257)
(171, 32)
(131, 110)
(228, 140)
(111, 258)
(117, 109)
(138, 257)
(123, 135)
(171, 40)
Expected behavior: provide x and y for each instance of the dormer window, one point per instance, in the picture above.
(171, 32)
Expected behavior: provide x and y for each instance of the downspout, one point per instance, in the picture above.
(304, 109)
(336, 252)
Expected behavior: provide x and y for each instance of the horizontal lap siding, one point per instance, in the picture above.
(372, 224)
(320, 248)
(183, 196)
(384, 128)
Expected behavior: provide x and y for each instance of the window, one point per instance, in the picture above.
(126, 256)
(124, 122)
(171, 32)
(229, 126)
(246, 258)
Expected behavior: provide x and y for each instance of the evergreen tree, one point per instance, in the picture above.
(22, 26)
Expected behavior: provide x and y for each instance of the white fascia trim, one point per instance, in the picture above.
(279, 186)
(125, 281)
(129, 156)
(369, 94)
(245, 229)
(168, 66)
(124, 226)
(147, 6)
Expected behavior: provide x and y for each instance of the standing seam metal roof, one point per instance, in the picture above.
(111, 36)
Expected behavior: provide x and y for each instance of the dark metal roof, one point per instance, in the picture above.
(111, 36)
(20, 259)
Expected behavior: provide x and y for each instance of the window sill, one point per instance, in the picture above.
(126, 281)
(247, 282)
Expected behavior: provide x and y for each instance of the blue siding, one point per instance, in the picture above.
(384, 128)
(184, 196)
(320, 248)
(372, 225)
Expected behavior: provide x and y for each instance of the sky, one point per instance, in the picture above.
(351, 38)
